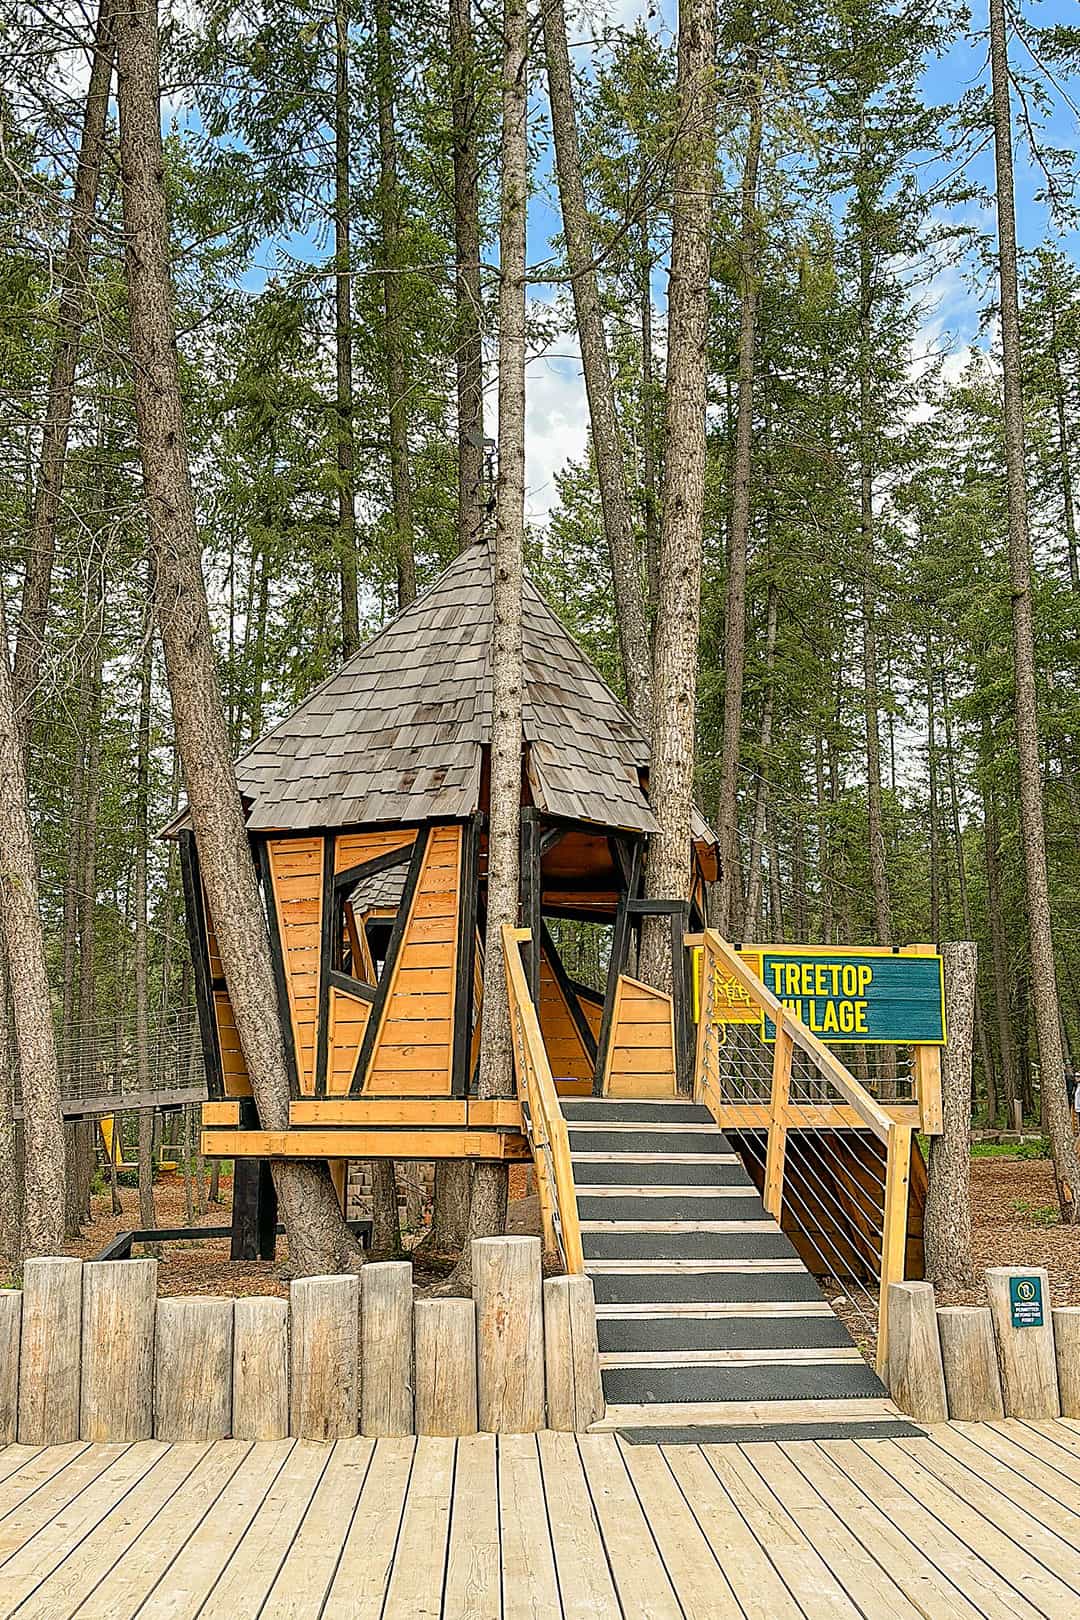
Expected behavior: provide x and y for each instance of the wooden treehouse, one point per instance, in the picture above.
(367, 810)
(703, 1154)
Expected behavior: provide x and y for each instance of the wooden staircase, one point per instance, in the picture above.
(710, 1326)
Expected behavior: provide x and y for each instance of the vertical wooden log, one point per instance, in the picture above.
(445, 1354)
(324, 1342)
(509, 1334)
(894, 1230)
(1067, 1350)
(10, 1334)
(193, 1368)
(969, 1359)
(1029, 1385)
(119, 1300)
(916, 1378)
(49, 1352)
(260, 1369)
(571, 1356)
(386, 1385)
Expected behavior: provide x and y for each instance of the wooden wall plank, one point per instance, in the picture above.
(562, 1039)
(641, 1050)
(348, 1020)
(296, 873)
(413, 1052)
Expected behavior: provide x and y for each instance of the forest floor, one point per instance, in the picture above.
(1013, 1216)
(203, 1266)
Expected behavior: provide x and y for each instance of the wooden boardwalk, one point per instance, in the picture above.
(975, 1521)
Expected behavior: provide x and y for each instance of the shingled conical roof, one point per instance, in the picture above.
(397, 733)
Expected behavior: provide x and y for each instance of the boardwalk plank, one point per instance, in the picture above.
(989, 1591)
(530, 1590)
(878, 1595)
(416, 1579)
(359, 1585)
(53, 1572)
(14, 1457)
(807, 1576)
(640, 1577)
(52, 1498)
(308, 1570)
(954, 1505)
(251, 1571)
(1035, 1489)
(585, 1582)
(200, 1551)
(760, 1591)
(929, 1588)
(43, 1464)
(697, 1578)
(474, 1563)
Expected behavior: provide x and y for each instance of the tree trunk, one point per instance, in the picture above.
(397, 384)
(487, 1211)
(931, 767)
(10, 1178)
(626, 563)
(72, 313)
(981, 1033)
(1067, 496)
(317, 1237)
(752, 921)
(948, 1200)
(468, 300)
(1006, 1048)
(671, 773)
(650, 502)
(147, 1214)
(1032, 826)
(343, 330)
(739, 530)
(43, 1197)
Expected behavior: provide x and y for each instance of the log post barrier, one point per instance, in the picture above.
(1015, 1357)
(89, 1351)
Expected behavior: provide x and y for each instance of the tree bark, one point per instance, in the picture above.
(71, 317)
(1032, 825)
(931, 770)
(468, 298)
(397, 384)
(43, 1196)
(675, 655)
(487, 1211)
(627, 574)
(1064, 448)
(948, 1201)
(752, 921)
(147, 1214)
(739, 530)
(650, 503)
(1006, 1047)
(318, 1239)
(343, 337)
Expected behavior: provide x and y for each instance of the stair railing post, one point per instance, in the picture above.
(893, 1227)
(778, 1115)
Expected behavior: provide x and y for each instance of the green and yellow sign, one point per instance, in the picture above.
(873, 996)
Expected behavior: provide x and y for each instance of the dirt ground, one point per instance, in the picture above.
(204, 1266)
(1014, 1222)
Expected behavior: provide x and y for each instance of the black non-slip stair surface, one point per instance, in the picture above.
(748, 1263)
(687, 1246)
(674, 1334)
(713, 1434)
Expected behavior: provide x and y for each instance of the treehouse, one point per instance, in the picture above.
(367, 813)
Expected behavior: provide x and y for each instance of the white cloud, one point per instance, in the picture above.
(556, 422)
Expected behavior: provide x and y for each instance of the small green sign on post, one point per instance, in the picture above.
(1026, 1302)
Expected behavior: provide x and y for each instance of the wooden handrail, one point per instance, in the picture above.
(781, 1117)
(856, 1096)
(545, 1124)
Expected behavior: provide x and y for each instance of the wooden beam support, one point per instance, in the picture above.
(359, 1112)
(393, 951)
(377, 1143)
(198, 945)
(530, 897)
(465, 966)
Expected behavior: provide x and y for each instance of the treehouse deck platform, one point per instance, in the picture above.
(973, 1520)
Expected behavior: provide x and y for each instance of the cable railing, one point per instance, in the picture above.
(832, 1163)
(545, 1127)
